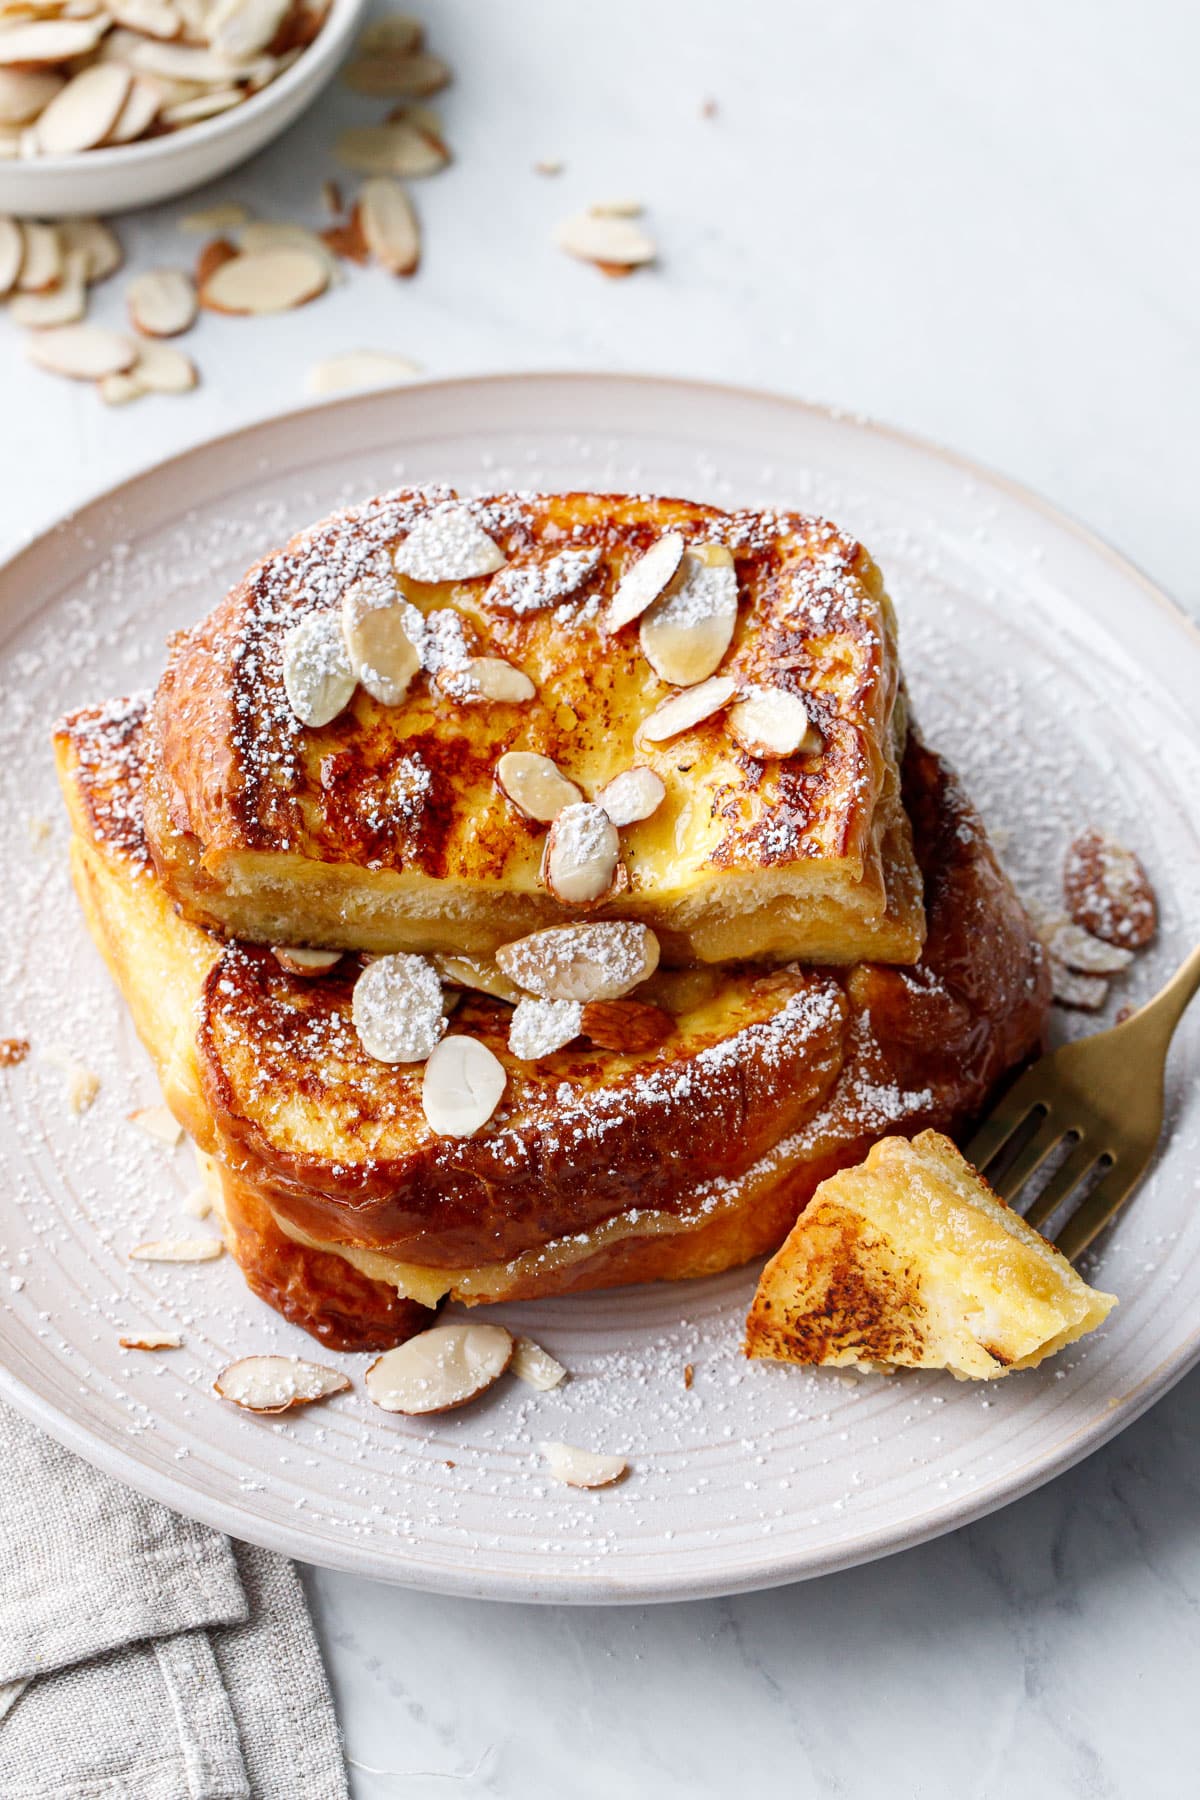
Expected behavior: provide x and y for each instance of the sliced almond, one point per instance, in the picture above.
(65, 304)
(84, 352)
(540, 1027)
(163, 369)
(641, 584)
(354, 370)
(382, 655)
(389, 226)
(226, 215)
(600, 238)
(152, 18)
(439, 1369)
(265, 281)
(682, 711)
(202, 106)
(152, 1340)
(600, 961)
(162, 303)
(307, 963)
(12, 252)
(1085, 993)
(633, 795)
(400, 148)
(331, 198)
(535, 785)
(535, 1366)
(346, 239)
(42, 262)
(629, 1027)
(318, 677)
(462, 1086)
(213, 256)
(582, 855)
(687, 630)
(582, 1468)
(485, 678)
(389, 76)
(479, 973)
(239, 29)
(1070, 944)
(193, 62)
(197, 1203)
(24, 93)
(447, 544)
(96, 243)
(397, 1008)
(771, 722)
(178, 1250)
(275, 1384)
(86, 110)
(616, 209)
(1108, 892)
(143, 103)
(159, 1123)
(33, 42)
(396, 33)
(119, 389)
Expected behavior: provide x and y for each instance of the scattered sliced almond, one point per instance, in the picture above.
(633, 795)
(400, 148)
(771, 722)
(159, 1123)
(439, 1369)
(280, 234)
(178, 1250)
(239, 29)
(12, 252)
(641, 584)
(83, 1084)
(84, 352)
(318, 676)
(1108, 892)
(42, 262)
(119, 389)
(549, 165)
(382, 655)
(600, 961)
(354, 370)
(162, 369)
(306, 963)
(629, 1027)
(540, 1027)
(213, 256)
(226, 215)
(616, 209)
(197, 1203)
(162, 303)
(682, 711)
(192, 62)
(688, 629)
(85, 111)
(152, 1340)
(535, 785)
(1071, 945)
(142, 105)
(96, 243)
(601, 238)
(462, 1086)
(153, 18)
(582, 1468)
(479, 973)
(397, 34)
(331, 198)
(386, 75)
(397, 1008)
(265, 281)
(389, 227)
(65, 304)
(485, 678)
(582, 855)
(1085, 993)
(202, 106)
(275, 1384)
(33, 42)
(535, 1366)
(24, 93)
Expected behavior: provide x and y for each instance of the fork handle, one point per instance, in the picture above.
(1164, 1012)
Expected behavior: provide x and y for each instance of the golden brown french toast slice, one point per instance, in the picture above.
(394, 825)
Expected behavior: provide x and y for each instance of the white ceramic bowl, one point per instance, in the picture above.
(129, 175)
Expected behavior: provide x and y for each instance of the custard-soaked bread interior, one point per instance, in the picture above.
(388, 824)
(685, 1156)
(910, 1259)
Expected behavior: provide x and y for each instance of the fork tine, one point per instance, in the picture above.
(1102, 1203)
(1064, 1181)
(1029, 1159)
(999, 1127)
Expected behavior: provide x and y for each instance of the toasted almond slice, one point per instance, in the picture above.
(42, 263)
(616, 209)
(447, 544)
(65, 304)
(1086, 993)
(535, 784)
(163, 369)
(274, 1384)
(12, 252)
(687, 630)
(382, 655)
(118, 389)
(159, 1123)
(633, 795)
(535, 1366)
(357, 369)
(152, 18)
(226, 215)
(642, 583)
(143, 103)
(346, 239)
(772, 722)
(397, 1008)
(265, 281)
(540, 1027)
(397, 34)
(682, 711)
(24, 93)
(86, 110)
(479, 973)
(280, 234)
(239, 29)
(582, 1468)
(440, 1368)
(84, 352)
(202, 106)
(318, 677)
(602, 239)
(1077, 949)
(390, 229)
(34, 42)
(582, 854)
(462, 1086)
(630, 1027)
(213, 256)
(307, 963)
(600, 961)
(95, 242)
(391, 77)
(178, 1250)
(485, 678)
(152, 1340)
(162, 302)
(401, 148)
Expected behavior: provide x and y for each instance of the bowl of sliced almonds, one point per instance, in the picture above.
(111, 104)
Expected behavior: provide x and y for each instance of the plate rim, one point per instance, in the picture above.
(225, 1513)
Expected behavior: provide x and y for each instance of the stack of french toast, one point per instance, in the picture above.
(538, 893)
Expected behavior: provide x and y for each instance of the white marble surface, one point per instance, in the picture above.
(976, 222)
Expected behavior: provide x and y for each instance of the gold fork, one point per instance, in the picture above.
(1104, 1096)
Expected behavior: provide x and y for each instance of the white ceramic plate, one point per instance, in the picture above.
(1056, 678)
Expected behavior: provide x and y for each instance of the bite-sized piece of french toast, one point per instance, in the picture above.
(686, 1156)
(365, 743)
(909, 1259)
